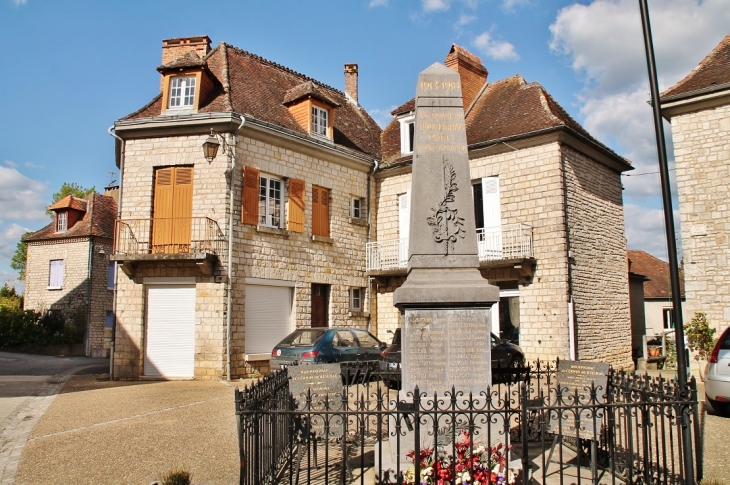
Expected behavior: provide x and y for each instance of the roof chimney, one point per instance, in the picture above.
(351, 81)
(173, 49)
(472, 72)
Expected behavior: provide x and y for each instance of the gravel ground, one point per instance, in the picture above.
(133, 433)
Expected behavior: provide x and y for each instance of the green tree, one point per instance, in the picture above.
(9, 298)
(18, 260)
(70, 189)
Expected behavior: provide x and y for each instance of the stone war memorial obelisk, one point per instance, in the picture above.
(444, 300)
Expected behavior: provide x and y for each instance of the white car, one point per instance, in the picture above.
(717, 376)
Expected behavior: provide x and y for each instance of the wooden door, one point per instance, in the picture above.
(319, 305)
(172, 210)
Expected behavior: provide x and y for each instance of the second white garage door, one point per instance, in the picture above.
(268, 317)
(170, 339)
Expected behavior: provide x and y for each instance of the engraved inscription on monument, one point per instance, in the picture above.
(578, 378)
(323, 382)
(448, 347)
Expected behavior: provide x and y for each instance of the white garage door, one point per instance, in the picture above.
(170, 342)
(268, 317)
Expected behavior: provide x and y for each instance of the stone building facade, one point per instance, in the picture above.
(555, 245)
(303, 247)
(698, 108)
(293, 222)
(67, 268)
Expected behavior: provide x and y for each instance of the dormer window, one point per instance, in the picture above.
(61, 221)
(407, 134)
(319, 121)
(182, 92)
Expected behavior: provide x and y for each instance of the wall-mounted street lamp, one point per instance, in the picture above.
(210, 146)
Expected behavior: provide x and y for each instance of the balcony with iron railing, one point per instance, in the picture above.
(195, 239)
(507, 245)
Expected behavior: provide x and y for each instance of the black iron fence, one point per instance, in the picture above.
(525, 428)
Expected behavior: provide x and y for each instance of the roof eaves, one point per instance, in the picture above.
(696, 92)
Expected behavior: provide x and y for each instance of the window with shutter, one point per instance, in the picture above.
(250, 203)
(320, 211)
(295, 206)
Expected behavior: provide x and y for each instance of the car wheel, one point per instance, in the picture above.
(714, 407)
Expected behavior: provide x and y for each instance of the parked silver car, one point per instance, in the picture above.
(717, 376)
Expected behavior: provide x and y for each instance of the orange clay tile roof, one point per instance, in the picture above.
(256, 88)
(98, 221)
(506, 108)
(307, 88)
(714, 70)
(70, 202)
(191, 59)
(659, 285)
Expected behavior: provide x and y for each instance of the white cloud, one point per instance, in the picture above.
(11, 279)
(20, 196)
(511, 5)
(604, 43)
(378, 3)
(435, 5)
(18, 3)
(495, 49)
(465, 19)
(11, 163)
(645, 229)
(9, 239)
(604, 40)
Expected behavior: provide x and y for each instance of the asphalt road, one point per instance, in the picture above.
(28, 385)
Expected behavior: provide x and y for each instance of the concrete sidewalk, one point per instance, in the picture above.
(101, 432)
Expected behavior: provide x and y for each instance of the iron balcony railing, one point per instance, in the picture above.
(182, 235)
(511, 241)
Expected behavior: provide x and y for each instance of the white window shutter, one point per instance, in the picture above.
(491, 246)
(404, 226)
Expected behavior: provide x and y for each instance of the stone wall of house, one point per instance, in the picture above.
(599, 269)
(262, 253)
(102, 299)
(258, 252)
(72, 297)
(531, 193)
(702, 152)
(210, 199)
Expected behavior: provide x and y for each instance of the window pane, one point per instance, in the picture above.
(111, 273)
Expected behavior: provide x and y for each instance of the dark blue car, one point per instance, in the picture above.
(326, 345)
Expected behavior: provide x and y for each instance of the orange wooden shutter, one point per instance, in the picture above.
(295, 209)
(250, 205)
(182, 209)
(162, 210)
(320, 211)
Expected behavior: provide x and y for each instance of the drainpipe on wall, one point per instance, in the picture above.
(572, 334)
(369, 295)
(229, 280)
(119, 216)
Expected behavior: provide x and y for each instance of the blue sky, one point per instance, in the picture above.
(71, 68)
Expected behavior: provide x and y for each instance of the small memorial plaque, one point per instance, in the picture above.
(578, 378)
(323, 383)
(445, 348)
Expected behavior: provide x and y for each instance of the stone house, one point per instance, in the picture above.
(698, 108)
(657, 292)
(225, 254)
(68, 268)
(549, 218)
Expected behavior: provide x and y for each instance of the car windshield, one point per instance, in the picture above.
(303, 338)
